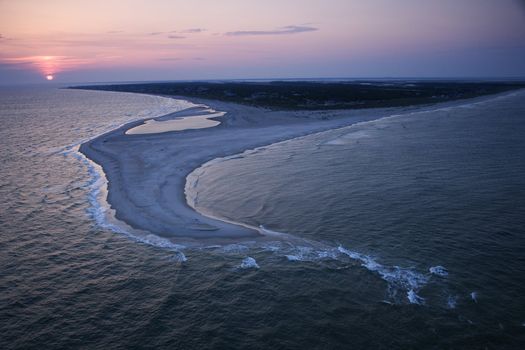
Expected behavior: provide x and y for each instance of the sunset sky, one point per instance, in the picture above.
(112, 40)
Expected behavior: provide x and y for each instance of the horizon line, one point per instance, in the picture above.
(313, 79)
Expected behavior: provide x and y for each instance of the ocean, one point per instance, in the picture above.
(405, 233)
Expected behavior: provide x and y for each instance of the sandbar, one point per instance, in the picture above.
(147, 172)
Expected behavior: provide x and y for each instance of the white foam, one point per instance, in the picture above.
(413, 298)
(438, 270)
(397, 277)
(452, 302)
(474, 296)
(300, 254)
(326, 254)
(179, 257)
(249, 263)
(351, 254)
(97, 185)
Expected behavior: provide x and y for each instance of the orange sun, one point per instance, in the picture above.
(50, 77)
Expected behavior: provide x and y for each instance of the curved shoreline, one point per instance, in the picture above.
(191, 199)
(147, 174)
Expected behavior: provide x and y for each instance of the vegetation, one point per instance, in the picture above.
(309, 95)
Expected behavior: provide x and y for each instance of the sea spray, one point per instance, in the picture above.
(249, 263)
(438, 271)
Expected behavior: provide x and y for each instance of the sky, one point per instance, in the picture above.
(132, 40)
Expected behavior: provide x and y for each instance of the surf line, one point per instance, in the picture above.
(402, 278)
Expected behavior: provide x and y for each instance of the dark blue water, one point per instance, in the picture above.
(439, 194)
(413, 231)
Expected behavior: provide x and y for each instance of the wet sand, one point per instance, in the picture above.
(192, 118)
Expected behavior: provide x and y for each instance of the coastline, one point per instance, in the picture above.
(147, 173)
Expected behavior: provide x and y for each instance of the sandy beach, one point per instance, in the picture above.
(147, 171)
